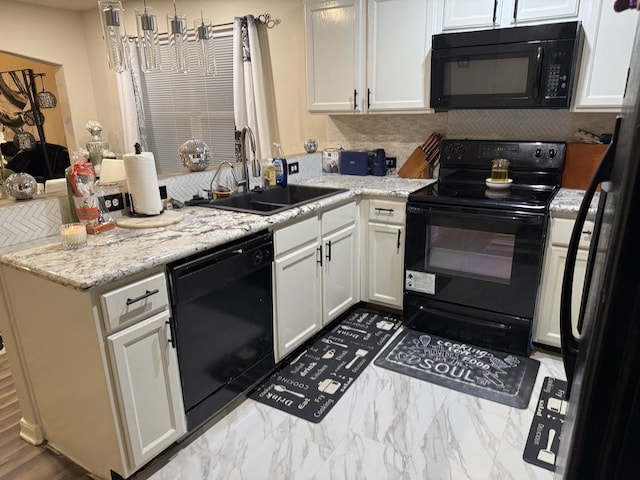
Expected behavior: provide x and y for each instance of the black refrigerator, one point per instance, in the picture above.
(601, 434)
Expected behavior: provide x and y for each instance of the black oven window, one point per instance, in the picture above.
(471, 253)
(477, 76)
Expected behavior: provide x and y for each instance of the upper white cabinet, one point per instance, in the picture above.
(606, 55)
(367, 55)
(334, 55)
(482, 14)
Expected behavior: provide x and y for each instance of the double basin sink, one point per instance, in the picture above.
(272, 200)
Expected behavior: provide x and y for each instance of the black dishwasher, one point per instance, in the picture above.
(222, 323)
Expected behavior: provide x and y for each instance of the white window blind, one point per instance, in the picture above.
(179, 106)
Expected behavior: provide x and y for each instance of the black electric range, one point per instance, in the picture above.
(473, 254)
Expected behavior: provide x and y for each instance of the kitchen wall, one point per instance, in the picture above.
(400, 134)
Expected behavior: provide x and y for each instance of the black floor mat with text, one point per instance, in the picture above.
(489, 374)
(543, 441)
(313, 382)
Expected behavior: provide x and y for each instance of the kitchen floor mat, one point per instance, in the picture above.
(313, 382)
(489, 374)
(544, 435)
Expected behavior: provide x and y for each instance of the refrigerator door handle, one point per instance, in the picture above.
(569, 343)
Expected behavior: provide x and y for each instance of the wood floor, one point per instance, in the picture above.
(18, 459)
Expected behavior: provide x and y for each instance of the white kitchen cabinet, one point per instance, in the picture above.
(339, 270)
(334, 55)
(316, 277)
(385, 252)
(367, 55)
(548, 310)
(457, 15)
(148, 381)
(103, 381)
(605, 59)
(297, 287)
(397, 65)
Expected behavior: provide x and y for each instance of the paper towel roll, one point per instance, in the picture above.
(142, 181)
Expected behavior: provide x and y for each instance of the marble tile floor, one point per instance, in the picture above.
(387, 426)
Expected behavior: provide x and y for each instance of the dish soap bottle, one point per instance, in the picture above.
(280, 163)
(269, 175)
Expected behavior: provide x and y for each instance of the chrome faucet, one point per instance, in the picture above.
(255, 167)
(215, 175)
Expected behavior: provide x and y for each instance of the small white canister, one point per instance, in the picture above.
(331, 160)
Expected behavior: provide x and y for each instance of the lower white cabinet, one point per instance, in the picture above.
(316, 277)
(100, 381)
(548, 311)
(148, 381)
(384, 252)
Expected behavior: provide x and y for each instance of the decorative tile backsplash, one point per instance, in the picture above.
(30, 220)
(399, 134)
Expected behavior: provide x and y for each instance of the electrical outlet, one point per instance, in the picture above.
(114, 202)
(391, 162)
(293, 168)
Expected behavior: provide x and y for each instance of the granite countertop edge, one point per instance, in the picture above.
(119, 253)
(567, 201)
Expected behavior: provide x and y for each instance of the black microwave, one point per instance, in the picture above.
(521, 67)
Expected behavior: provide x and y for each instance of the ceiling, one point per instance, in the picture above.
(76, 5)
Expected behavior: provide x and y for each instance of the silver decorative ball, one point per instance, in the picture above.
(194, 155)
(310, 145)
(21, 186)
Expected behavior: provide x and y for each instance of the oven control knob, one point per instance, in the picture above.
(552, 152)
(538, 152)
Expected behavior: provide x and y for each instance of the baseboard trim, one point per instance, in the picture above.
(31, 433)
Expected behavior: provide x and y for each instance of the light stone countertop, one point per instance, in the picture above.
(567, 202)
(120, 252)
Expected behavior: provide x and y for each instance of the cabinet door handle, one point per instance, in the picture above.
(146, 294)
(355, 99)
(170, 337)
(515, 11)
(495, 10)
(328, 256)
(398, 245)
(368, 98)
(379, 210)
(319, 255)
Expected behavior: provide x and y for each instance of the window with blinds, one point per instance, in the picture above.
(179, 106)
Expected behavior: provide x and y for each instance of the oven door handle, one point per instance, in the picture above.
(510, 217)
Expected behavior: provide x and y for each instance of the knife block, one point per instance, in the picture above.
(416, 165)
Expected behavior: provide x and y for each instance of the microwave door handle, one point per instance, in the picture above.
(536, 82)
(569, 343)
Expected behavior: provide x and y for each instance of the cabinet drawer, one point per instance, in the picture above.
(339, 217)
(386, 211)
(295, 235)
(135, 301)
(561, 229)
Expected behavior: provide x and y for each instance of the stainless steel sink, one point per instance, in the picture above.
(272, 200)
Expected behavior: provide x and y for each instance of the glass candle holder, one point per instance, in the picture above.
(73, 235)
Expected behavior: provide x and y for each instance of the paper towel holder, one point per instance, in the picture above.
(128, 198)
